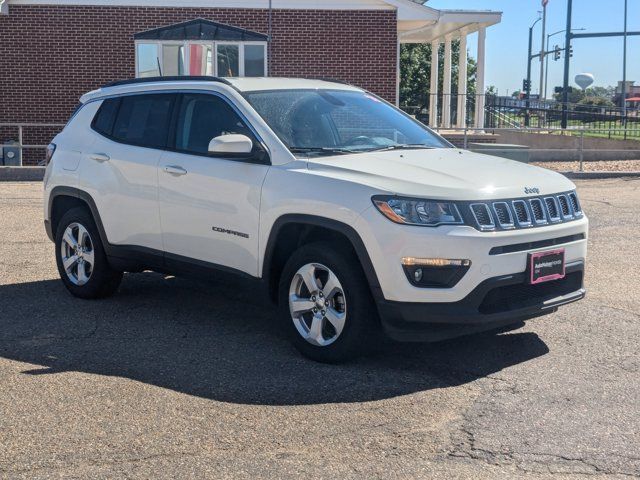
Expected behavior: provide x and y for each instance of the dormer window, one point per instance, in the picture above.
(201, 47)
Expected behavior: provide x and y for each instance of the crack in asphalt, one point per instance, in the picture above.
(467, 449)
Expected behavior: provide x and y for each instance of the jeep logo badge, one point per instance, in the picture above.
(530, 190)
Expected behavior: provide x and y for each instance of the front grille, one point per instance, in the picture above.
(523, 212)
(564, 205)
(538, 210)
(575, 205)
(503, 214)
(522, 295)
(482, 216)
(550, 242)
(552, 208)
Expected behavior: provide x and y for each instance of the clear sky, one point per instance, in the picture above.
(507, 42)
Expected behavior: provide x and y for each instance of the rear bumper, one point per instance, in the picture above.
(494, 303)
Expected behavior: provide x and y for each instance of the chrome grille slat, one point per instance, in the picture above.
(575, 204)
(539, 214)
(503, 214)
(565, 206)
(483, 216)
(552, 208)
(525, 212)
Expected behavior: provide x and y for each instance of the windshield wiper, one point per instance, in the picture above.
(402, 146)
(321, 150)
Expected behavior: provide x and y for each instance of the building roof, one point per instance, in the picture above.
(201, 29)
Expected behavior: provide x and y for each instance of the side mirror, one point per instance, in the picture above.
(232, 143)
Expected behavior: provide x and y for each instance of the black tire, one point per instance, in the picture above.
(361, 327)
(103, 281)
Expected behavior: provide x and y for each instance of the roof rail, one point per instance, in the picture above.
(332, 80)
(182, 78)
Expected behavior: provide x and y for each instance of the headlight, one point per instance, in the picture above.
(415, 211)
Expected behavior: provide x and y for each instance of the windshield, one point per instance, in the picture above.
(339, 121)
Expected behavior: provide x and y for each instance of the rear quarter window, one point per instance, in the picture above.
(105, 116)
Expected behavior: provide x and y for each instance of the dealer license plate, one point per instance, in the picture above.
(546, 266)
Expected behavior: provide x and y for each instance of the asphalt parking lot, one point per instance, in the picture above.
(175, 379)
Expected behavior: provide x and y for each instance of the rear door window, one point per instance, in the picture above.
(144, 120)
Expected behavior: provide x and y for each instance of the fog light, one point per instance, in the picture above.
(435, 272)
(417, 275)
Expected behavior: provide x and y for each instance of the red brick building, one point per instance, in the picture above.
(52, 51)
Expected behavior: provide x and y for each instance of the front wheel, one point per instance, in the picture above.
(326, 304)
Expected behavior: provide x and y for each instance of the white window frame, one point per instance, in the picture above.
(212, 44)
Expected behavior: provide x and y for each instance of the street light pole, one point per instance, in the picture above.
(546, 71)
(624, 68)
(542, 49)
(567, 64)
(529, 58)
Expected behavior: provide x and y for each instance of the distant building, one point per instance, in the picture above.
(632, 91)
(53, 51)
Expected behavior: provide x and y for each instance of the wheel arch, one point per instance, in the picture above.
(62, 199)
(291, 231)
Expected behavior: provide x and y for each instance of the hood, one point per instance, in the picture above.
(445, 173)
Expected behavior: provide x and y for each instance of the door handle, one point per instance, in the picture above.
(175, 170)
(99, 157)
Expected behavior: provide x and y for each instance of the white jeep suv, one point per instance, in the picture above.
(349, 212)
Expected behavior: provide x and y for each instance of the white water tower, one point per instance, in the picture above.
(584, 80)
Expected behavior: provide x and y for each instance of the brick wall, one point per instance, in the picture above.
(50, 55)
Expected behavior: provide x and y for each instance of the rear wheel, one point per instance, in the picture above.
(326, 304)
(82, 263)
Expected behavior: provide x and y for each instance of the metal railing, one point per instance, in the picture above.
(578, 151)
(509, 112)
(18, 143)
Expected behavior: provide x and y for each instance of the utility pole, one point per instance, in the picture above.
(527, 83)
(567, 63)
(542, 49)
(624, 69)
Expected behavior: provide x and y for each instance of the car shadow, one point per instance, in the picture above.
(221, 341)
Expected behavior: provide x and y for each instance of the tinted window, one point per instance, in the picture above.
(144, 120)
(202, 117)
(103, 121)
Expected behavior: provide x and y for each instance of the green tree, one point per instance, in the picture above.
(596, 101)
(601, 92)
(415, 73)
(575, 95)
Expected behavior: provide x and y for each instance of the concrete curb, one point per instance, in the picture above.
(599, 175)
(21, 174)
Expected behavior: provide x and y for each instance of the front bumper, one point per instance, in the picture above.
(494, 303)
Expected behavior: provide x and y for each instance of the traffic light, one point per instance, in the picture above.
(556, 53)
(570, 51)
(526, 85)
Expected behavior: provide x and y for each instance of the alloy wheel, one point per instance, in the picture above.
(317, 304)
(77, 254)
